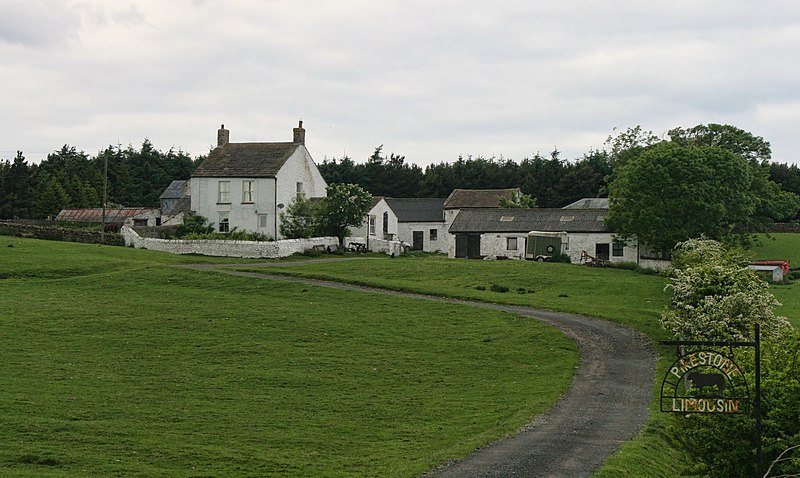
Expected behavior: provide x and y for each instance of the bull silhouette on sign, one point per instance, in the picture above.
(702, 380)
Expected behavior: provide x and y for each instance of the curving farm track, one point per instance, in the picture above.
(606, 405)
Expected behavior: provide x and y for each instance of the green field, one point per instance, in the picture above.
(117, 363)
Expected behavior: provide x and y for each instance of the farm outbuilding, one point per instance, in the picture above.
(504, 233)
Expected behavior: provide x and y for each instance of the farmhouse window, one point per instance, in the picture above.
(434, 234)
(248, 190)
(386, 223)
(300, 189)
(140, 222)
(618, 249)
(511, 243)
(263, 220)
(224, 196)
(224, 223)
(372, 225)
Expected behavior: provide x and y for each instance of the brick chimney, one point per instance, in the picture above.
(223, 136)
(299, 134)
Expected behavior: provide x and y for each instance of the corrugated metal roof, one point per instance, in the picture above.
(246, 160)
(462, 198)
(526, 220)
(96, 214)
(417, 209)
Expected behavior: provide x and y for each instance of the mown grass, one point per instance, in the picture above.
(614, 294)
(117, 363)
(149, 385)
(619, 295)
(783, 246)
(622, 296)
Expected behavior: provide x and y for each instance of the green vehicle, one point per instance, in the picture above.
(544, 245)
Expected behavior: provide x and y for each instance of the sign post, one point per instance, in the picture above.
(706, 380)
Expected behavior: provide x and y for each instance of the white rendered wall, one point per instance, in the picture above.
(242, 216)
(378, 210)
(405, 232)
(299, 168)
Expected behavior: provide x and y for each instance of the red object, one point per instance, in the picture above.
(784, 265)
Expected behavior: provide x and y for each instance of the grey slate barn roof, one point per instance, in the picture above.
(417, 209)
(245, 160)
(589, 203)
(175, 190)
(525, 220)
(461, 198)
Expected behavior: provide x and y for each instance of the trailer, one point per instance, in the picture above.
(542, 246)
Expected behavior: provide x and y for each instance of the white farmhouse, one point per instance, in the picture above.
(247, 185)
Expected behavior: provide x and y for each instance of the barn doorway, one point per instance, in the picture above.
(602, 251)
(468, 245)
(417, 239)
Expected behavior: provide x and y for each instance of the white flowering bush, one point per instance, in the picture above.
(716, 297)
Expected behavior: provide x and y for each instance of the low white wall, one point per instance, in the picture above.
(245, 249)
(385, 247)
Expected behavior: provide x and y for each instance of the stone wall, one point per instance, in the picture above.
(57, 233)
(244, 249)
(784, 227)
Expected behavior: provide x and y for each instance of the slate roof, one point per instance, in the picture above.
(526, 220)
(417, 209)
(589, 203)
(462, 198)
(376, 200)
(245, 160)
(175, 190)
(96, 214)
(181, 205)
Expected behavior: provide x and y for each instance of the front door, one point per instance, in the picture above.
(417, 240)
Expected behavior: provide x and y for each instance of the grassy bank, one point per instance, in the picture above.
(622, 296)
(115, 363)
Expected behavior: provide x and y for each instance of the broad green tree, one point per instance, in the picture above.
(743, 143)
(670, 192)
(301, 219)
(346, 205)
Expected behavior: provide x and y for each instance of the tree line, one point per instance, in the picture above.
(69, 178)
(553, 181)
(137, 176)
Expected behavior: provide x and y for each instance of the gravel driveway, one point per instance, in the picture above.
(606, 405)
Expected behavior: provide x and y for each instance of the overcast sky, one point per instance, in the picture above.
(430, 80)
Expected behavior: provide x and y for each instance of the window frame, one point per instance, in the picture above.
(617, 249)
(223, 192)
(224, 224)
(433, 234)
(248, 191)
(509, 242)
(372, 224)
